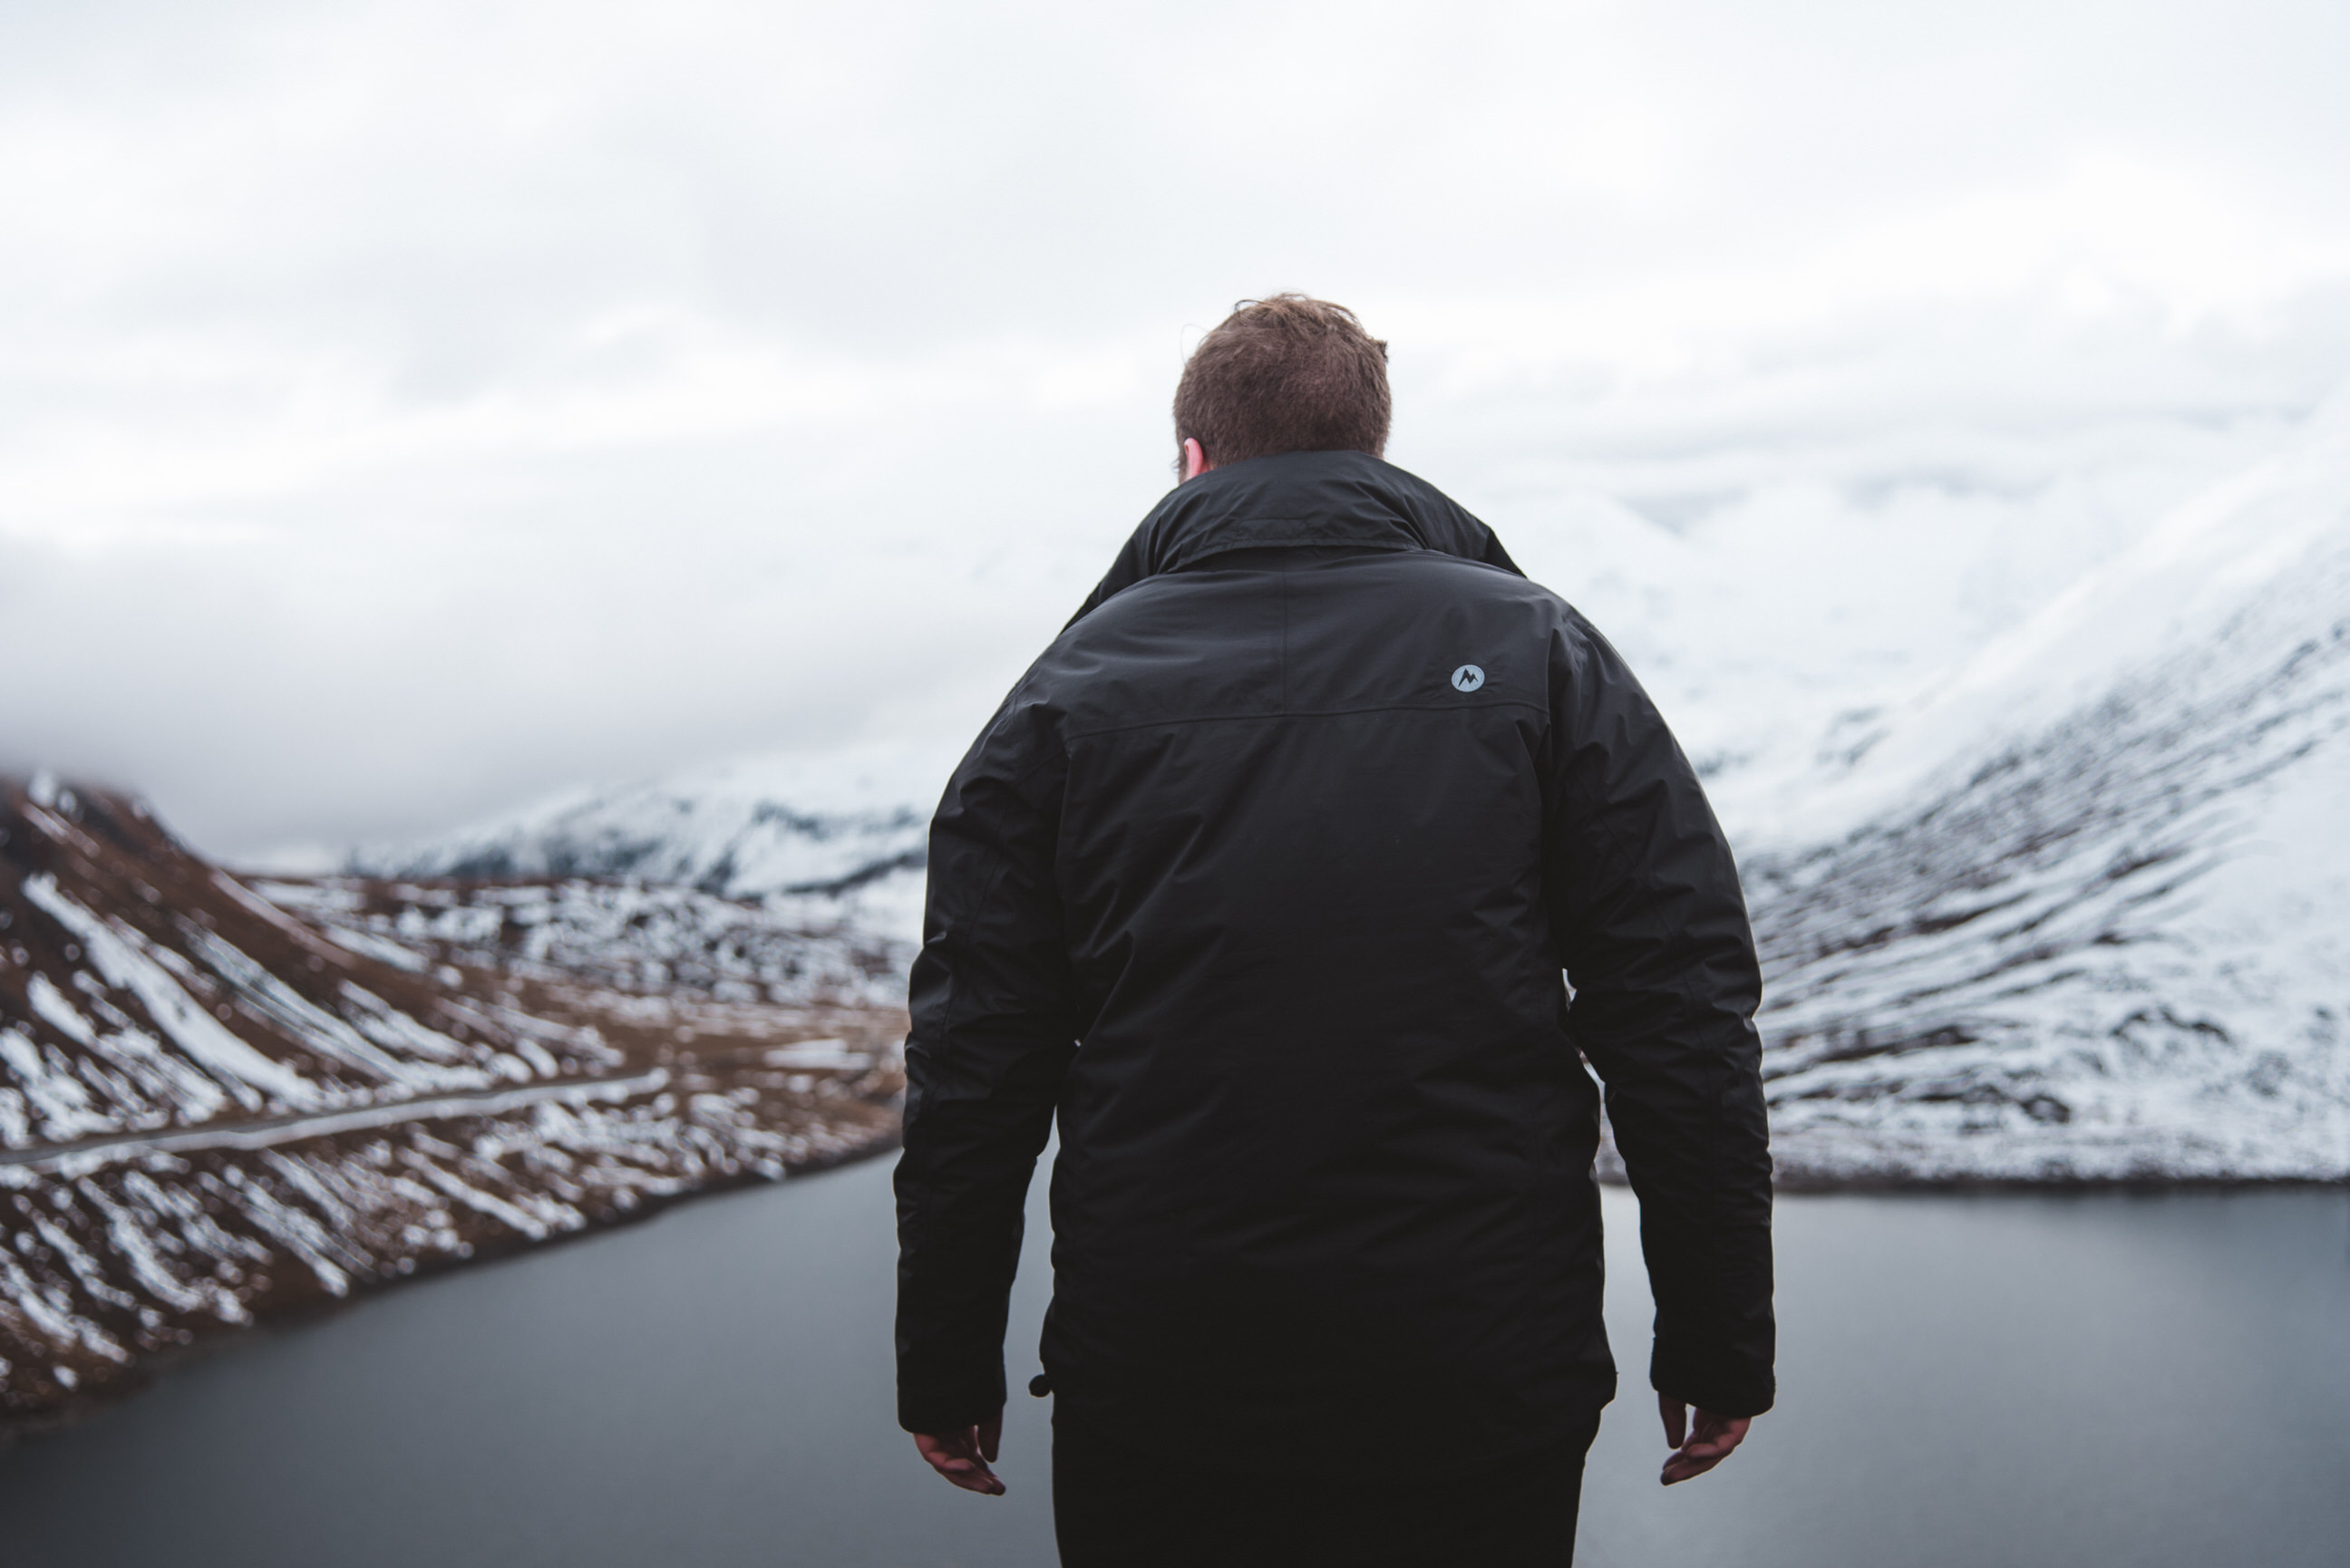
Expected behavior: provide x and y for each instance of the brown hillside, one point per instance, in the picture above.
(222, 1099)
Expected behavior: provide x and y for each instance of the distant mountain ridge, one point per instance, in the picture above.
(730, 844)
(845, 841)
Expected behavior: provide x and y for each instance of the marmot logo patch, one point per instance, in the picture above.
(1467, 677)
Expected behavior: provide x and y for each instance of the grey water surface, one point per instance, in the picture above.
(1966, 1380)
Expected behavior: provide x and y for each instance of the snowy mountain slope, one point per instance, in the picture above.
(2090, 912)
(217, 1104)
(141, 989)
(848, 838)
(2194, 572)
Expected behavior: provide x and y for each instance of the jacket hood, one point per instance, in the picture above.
(1296, 498)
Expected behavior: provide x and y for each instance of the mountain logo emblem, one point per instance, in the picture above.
(1467, 677)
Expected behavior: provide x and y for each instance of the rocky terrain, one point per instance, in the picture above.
(224, 1099)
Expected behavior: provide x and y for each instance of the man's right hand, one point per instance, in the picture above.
(1700, 1444)
(963, 1456)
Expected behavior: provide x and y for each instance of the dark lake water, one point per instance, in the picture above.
(1967, 1380)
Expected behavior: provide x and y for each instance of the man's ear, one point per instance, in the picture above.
(1195, 459)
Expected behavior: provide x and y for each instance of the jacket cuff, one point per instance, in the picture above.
(1722, 1391)
(937, 1411)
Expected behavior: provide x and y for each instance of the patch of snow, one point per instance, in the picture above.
(317, 1029)
(120, 954)
(382, 950)
(60, 1014)
(824, 1054)
(387, 1026)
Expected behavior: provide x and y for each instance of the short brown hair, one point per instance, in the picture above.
(1285, 373)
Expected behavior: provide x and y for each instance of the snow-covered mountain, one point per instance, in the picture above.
(2082, 910)
(846, 836)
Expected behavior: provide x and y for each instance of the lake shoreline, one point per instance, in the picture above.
(147, 1369)
(1811, 1185)
(718, 1386)
(274, 1314)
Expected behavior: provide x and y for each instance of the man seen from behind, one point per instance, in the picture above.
(1261, 883)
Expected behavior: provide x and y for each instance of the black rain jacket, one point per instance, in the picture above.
(1262, 880)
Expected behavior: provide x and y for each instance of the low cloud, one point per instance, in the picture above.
(405, 410)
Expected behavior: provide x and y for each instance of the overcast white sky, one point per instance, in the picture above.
(407, 410)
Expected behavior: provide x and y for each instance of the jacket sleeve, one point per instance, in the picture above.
(991, 1041)
(1651, 928)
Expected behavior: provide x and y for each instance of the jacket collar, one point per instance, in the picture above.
(1298, 498)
